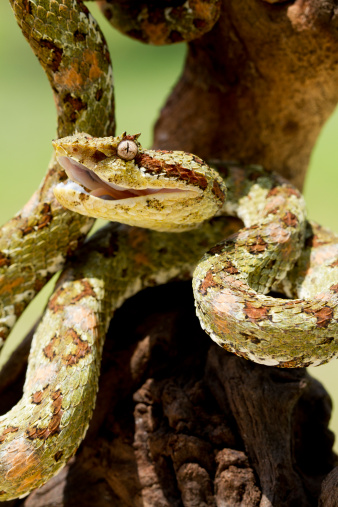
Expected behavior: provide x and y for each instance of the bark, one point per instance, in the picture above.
(178, 420)
(329, 496)
(258, 87)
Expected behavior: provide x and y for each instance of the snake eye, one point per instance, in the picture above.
(127, 150)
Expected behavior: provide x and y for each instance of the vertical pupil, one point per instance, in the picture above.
(127, 149)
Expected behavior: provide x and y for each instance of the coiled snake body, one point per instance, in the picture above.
(172, 192)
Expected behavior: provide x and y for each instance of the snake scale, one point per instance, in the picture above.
(167, 192)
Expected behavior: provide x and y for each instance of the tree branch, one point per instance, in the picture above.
(258, 87)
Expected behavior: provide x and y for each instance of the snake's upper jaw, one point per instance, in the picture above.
(90, 183)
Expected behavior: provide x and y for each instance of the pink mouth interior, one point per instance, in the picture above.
(102, 189)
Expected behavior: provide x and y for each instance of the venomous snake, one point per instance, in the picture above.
(116, 178)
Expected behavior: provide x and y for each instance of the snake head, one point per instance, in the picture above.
(116, 179)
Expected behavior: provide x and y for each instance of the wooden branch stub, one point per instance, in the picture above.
(329, 496)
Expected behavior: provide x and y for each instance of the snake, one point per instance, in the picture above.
(172, 207)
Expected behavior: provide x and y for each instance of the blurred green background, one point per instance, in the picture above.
(143, 77)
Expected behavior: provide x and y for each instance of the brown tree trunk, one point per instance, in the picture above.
(178, 421)
(258, 87)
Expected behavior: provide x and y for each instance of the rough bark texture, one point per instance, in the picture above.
(258, 87)
(178, 421)
(329, 496)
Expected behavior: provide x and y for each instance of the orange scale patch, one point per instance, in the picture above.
(53, 304)
(172, 170)
(69, 78)
(4, 260)
(206, 283)
(221, 325)
(334, 288)
(12, 284)
(37, 397)
(258, 246)
(82, 348)
(254, 313)
(7, 431)
(217, 191)
(290, 219)
(90, 58)
(230, 268)
(23, 464)
(51, 349)
(323, 315)
(53, 426)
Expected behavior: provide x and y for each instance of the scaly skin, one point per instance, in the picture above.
(264, 329)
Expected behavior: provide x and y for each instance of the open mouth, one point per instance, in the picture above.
(94, 186)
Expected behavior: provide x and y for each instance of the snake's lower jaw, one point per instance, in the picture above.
(169, 212)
